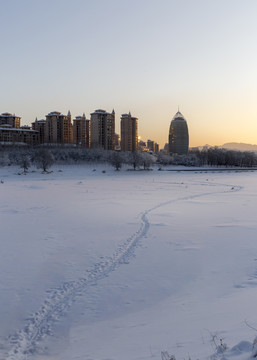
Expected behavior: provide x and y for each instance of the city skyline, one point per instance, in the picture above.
(145, 56)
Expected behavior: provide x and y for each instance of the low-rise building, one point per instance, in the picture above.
(151, 145)
(142, 145)
(20, 136)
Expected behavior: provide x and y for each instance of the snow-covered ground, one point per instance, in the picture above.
(123, 265)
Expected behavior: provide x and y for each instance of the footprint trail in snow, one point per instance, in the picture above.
(25, 342)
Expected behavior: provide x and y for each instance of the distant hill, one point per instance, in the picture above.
(239, 146)
(231, 146)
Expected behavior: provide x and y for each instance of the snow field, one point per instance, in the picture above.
(103, 266)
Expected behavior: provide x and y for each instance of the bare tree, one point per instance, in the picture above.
(25, 162)
(116, 160)
(44, 159)
(135, 159)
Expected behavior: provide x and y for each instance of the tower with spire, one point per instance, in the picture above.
(178, 135)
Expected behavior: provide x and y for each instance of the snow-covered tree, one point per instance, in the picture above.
(147, 160)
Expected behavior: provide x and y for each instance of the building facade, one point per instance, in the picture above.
(178, 135)
(20, 136)
(39, 125)
(117, 141)
(81, 131)
(103, 130)
(9, 119)
(151, 145)
(142, 145)
(58, 128)
(129, 132)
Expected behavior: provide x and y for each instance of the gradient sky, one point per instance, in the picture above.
(143, 56)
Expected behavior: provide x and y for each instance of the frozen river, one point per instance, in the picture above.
(109, 265)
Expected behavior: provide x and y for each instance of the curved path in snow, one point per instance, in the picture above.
(25, 342)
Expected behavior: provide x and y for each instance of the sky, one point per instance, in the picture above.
(143, 56)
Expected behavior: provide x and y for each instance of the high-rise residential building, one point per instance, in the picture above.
(178, 135)
(9, 119)
(129, 132)
(103, 130)
(58, 128)
(81, 131)
(39, 125)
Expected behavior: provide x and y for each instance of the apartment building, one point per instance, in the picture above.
(103, 130)
(19, 136)
(58, 128)
(129, 132)
(39, 125)
(9, 119)
(81, 131)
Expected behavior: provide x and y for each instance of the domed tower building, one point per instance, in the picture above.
(178, 135)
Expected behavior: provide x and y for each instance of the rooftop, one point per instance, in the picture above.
(178, 116)
(100, 111)
(15, 129)
(6, 114)
(54, 113)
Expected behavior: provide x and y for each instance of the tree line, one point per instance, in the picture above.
(212, 156)
(44, 157)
